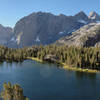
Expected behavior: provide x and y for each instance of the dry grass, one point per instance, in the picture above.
(67, 67)
(79, 69)
(36, 59)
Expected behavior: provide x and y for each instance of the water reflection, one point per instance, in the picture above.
(1, 63)
(90, 77)
(43, 81)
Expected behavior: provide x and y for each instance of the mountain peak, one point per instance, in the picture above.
(81, 16)
(45, 28)
(81, 13)
(93, 15)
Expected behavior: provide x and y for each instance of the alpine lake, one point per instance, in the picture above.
(44, 81)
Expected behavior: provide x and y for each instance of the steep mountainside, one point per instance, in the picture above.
(46, 28)
(88, 35)
(5, 34)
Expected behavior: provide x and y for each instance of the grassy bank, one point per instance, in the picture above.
(67, 67)
(79, 69)
(36, 59)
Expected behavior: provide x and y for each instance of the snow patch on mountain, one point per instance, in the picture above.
(93, 17)
(61, 33)
(97, 21)
(37, 39)
(12, 39)
(69, 32)
(82, 21)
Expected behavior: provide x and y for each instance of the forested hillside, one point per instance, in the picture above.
(71, 56)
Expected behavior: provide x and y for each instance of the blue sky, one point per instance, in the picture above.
(12, 10)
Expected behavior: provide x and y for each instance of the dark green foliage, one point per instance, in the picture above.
(72, 56)
(12, 92)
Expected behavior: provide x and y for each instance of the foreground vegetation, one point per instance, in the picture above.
(12, 92)
(85, 58)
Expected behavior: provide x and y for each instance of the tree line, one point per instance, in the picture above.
(81, 57)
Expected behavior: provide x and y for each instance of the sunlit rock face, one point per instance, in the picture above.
(86, 36)
(12, 92)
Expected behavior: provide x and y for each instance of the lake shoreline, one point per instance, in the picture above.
(64, 66)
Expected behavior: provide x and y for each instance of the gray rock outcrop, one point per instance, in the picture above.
(86, 36)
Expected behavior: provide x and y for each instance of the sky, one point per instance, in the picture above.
(13, 10)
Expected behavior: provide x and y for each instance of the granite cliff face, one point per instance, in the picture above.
(86, 36)
(45, 28)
